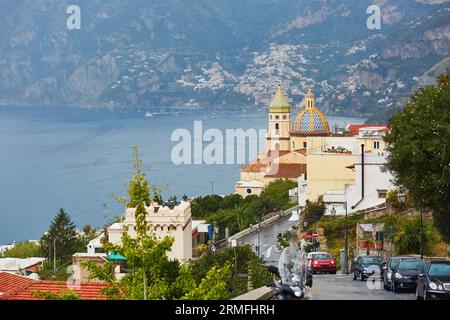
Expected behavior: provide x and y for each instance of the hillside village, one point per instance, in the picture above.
(315, 174)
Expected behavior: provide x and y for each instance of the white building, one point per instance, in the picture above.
(347, 171)
(95, 244)
(372, 182)
(163, 221)
(25, 267)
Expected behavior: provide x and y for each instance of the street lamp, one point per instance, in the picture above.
(333, 211)
(401, 197)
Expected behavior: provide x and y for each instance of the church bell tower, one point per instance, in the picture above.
(278, 137)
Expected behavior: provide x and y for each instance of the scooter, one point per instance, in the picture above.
(293, 291)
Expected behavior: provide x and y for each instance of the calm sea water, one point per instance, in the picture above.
(53, 158)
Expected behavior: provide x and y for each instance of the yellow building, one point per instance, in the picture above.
(327, 162)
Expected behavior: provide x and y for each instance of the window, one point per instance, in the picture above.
(277, 128)
(277, 146)
(382, 194)
(284, 117)
(198, 238)
(304, 144)
(376, 144)
(249, 191)
(293, 144)
(277, 117)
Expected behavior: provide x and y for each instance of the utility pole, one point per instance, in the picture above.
(259, 242)
(421, 233)
(54, 254)
(346, 233)
(212, 187)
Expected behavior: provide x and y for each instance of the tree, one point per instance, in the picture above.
(154, 276)
(419, 150)
(144, 253)
(23, 250)
(89, 232)
(61, 239)
(46, 295)
(241, 216)
(314, 210)
(214, 286)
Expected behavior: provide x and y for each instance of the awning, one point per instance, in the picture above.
(203, 227)
(116, 256)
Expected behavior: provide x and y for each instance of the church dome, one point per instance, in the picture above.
(310, 121)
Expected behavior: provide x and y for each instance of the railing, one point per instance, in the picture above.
(267, 220)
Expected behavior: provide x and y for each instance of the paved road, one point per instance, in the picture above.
(268, 240)
(342, 287)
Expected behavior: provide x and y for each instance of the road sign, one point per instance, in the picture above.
(315, 234)
(308, 237)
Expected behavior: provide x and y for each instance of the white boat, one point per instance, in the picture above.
(148, 114)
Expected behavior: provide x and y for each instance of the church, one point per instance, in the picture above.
(286, 144)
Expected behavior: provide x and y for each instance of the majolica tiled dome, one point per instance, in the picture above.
(310, 121)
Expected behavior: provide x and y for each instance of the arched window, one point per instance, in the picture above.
(284, 117)
(249, 191)
(277, 117)
(277, 128)
(277, 146)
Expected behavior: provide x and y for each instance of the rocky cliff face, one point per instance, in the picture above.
(218, 54)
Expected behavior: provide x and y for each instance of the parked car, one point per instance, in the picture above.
(434, 283)
(366, 266)
(321, 262)
(390, 267)
(404, 276)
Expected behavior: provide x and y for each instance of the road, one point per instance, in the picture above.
(268, 239)
(342, 287)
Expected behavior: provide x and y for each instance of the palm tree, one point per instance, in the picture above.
(241, 213)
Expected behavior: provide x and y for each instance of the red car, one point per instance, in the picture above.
(321, 262)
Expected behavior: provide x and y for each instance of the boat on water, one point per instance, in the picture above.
(148, 114)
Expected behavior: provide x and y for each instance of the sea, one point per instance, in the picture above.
(81, 159)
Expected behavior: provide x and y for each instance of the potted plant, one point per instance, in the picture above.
(363, 243)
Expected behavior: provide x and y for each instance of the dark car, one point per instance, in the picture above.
(390, 267)
(405, 274)
(434, 283)
(366, 266)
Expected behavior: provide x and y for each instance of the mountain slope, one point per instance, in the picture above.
(218, 54)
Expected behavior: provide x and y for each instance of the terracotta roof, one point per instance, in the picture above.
(15, 287)
(353, 129)
(302, 151)
(278, 153)
(288, 170)
(350, 166)
(256, 166)
(11, 283)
